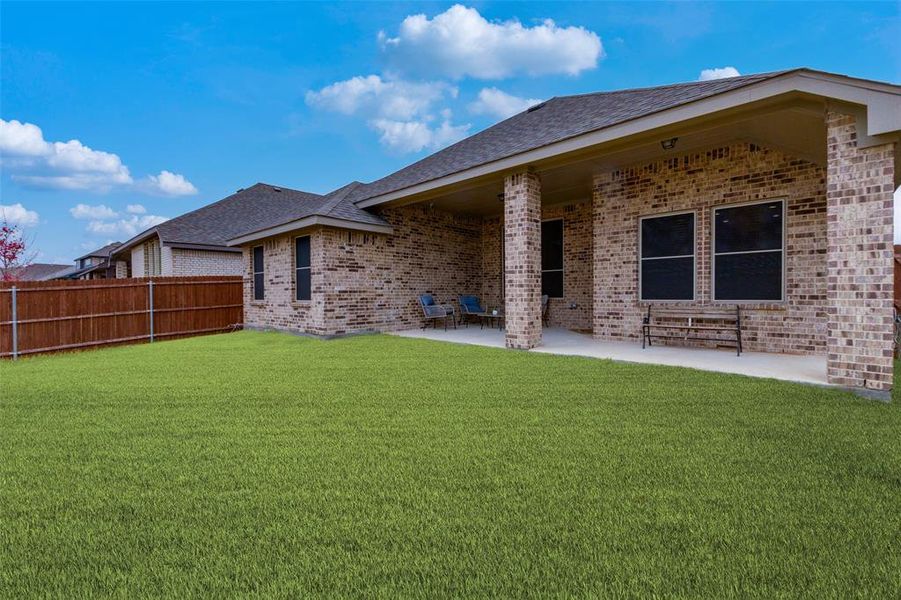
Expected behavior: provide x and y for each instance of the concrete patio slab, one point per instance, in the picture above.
(788, 367)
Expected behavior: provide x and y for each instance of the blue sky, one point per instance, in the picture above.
(118, 115)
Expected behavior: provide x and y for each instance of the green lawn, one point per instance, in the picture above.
(270, 464)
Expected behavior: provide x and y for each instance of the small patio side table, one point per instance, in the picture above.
(492, 319)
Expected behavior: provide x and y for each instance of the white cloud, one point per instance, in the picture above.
(135, 209)
(127, 227)
(100, 211)
(460, 42)
(33, 161)
(718, 73)
(496, 103)
(374, 96)
(169, 184)
(16, 214)
(413, 136)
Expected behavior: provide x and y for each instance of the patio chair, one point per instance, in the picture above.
(544, 309)
(470, 307)
(433, 311)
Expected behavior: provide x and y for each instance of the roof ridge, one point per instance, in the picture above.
(340, 195)
(765, 75)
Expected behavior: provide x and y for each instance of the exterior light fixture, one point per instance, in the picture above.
(500, 197)
(669, 144)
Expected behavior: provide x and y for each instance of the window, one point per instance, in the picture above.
(748, 252)
(259, 290)
(152, 259)
(667, 257)
(302, 280)
(552, 258)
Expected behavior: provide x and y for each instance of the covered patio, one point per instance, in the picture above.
(787, 367)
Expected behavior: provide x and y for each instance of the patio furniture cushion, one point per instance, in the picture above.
(470, 304)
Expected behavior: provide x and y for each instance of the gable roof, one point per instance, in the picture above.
(552, 121)
(38, 271)
(252, 209)
(333, 209)
(102, 252)
(564, 123)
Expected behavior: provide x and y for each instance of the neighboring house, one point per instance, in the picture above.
(36, 272)
(93, 265)
(771, 191)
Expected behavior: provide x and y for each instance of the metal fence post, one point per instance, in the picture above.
(150, 288)
(15, 325)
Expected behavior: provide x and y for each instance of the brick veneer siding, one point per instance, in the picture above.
(522, 259)
(860, 261)
(370, 282)
(279, 308)
(577, 265)
(700, 181)
(205, 262)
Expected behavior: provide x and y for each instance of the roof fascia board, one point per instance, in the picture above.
(309, 222)
(884, 99)
(136, 239)
(207, 247)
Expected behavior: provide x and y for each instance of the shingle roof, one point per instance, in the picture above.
(552, 121)
(335, 204)
(38, 271)
(255, 208)
(102, 252)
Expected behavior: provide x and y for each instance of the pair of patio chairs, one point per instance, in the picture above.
(470, 306)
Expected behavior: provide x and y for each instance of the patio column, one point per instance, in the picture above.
(522, 259)
(860, 266)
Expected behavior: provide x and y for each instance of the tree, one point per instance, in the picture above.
(13, 248)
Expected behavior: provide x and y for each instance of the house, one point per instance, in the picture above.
(36, 272)
(771, 191)
(196, 243)
(93, 265)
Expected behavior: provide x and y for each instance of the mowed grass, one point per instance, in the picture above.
(273, 465)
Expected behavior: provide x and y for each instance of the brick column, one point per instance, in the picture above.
(522, 259)
(859, 186)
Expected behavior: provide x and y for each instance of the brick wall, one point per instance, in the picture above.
(522, 260)
(368, 282)
(700, 181)
(204, 262)
(280, 309)
(577, 268)
(860, 261)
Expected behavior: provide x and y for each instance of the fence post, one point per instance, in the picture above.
(150, 289)
(15, 325)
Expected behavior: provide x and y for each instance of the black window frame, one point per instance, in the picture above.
(259, 291)
(693, 255)
(713, 253)
(308, 268)
(562, 269)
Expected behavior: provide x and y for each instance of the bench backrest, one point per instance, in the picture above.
(700, 313)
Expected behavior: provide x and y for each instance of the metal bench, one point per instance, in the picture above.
(692, 325)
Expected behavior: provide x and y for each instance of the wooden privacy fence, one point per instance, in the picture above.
(48, 316)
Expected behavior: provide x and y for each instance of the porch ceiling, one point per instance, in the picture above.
(798, 130)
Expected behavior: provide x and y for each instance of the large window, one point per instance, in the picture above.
(667, 257)
(748, 252)
(302, 279)
(552, 258)
(259, 290)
